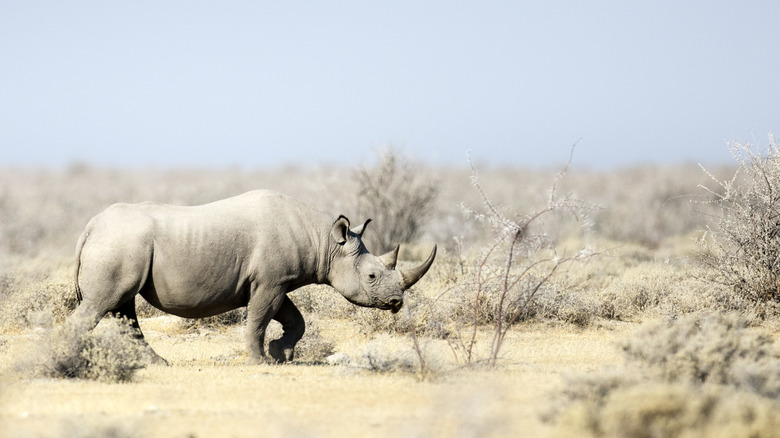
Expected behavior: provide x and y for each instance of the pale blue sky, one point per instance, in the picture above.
(269, 83)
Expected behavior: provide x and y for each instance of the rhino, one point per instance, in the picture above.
(249, 251)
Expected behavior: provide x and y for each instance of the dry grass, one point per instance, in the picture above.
(207, 390)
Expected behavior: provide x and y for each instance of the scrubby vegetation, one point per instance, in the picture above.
(518, 249)
(699, 375)
(109, 353)
(742, 248)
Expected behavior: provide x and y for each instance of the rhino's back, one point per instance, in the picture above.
(222, 238)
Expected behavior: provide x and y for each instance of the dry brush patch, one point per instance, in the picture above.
(109, 353)
(36, 294)
(697, 375)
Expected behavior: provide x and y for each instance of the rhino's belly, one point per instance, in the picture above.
(195, 300)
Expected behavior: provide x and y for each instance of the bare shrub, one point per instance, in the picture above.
(742, 248)
(397, 195)
(109, 353)
(513, 271)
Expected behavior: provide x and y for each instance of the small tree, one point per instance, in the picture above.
(398, 196)
(742, 247)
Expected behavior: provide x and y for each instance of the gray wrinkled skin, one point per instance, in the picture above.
(249, 250)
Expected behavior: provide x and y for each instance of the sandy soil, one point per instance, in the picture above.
(207, 391)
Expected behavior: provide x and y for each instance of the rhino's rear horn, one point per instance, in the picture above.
(411, 276)
(390, 259)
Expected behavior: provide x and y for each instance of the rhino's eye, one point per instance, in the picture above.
(371, 277)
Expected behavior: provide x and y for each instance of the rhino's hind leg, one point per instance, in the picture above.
(127, 310)
(283, 349)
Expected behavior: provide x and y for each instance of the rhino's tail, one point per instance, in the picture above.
(79, 247)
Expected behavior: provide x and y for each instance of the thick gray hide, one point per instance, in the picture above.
(249, 250)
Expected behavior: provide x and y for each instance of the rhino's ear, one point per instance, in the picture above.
(339, 230)
(359, 230)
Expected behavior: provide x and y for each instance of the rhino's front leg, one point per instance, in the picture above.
(263, 305)
(283, 349)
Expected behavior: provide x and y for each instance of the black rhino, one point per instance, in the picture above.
(249, 250)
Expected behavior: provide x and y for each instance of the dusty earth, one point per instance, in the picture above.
(207, 391)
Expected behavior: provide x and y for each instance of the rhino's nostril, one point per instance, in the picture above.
(395, 304)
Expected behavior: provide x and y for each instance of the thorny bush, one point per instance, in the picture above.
(515, 269)
(742, 247)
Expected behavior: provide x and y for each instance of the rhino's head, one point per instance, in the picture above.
(363, 278)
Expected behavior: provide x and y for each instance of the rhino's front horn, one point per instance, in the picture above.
(411, 276)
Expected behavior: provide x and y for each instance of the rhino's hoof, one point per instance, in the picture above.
(279, 353)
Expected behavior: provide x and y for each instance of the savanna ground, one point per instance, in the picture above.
(629, 336)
